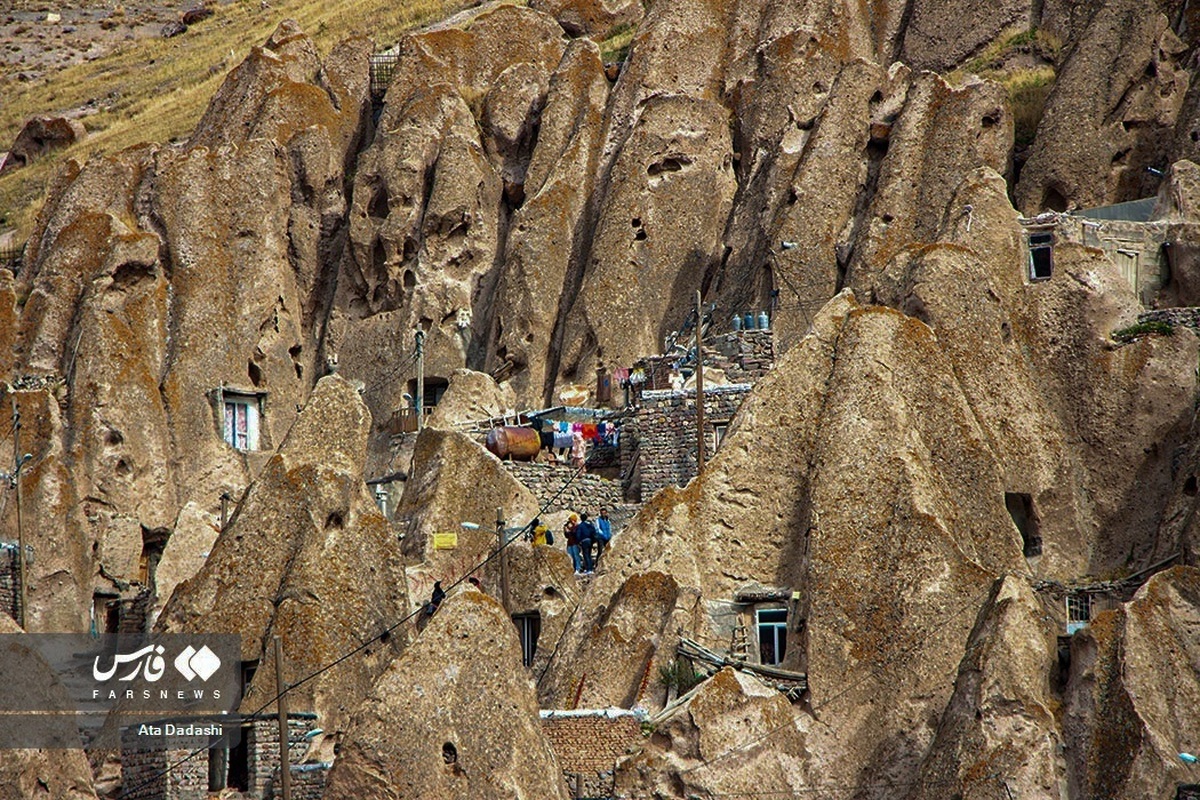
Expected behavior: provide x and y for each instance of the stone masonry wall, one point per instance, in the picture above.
(588, 748)
(263, 745)
(744, 357)
(9, 588)
(659, 442)
(586, 493)
(1178, 317)
(145, 775)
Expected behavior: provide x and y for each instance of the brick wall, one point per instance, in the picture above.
(659, 442)
(263, 744)
(588, 748)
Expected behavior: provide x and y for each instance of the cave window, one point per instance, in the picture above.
(529, 627)
(434, 389)
(717, 435)
(154, 541)
(381, 498)
(771, 624)
(241, 419)
(1079, 612)
(1041, 256)
(1020, 508)
(106, 613)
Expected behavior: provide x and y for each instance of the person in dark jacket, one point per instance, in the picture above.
(435, 600)
(585, 534)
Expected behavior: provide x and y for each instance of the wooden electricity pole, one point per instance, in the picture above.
(500, 543)
(285, 767)
(699, 384)
(419, 402)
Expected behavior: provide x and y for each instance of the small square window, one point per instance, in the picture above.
(1041, 256)
(241, 421)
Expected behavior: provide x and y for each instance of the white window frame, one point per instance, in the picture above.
(1079, 612)
(250, 407)
(1040, 245)
(778, 631)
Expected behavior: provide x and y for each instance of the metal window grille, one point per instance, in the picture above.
(1079, 612)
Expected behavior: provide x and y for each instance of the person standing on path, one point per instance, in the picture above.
(573, 543)
(585, 534)
(603, 533)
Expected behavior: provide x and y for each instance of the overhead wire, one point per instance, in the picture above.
(380, 637)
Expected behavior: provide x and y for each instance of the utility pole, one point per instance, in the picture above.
(18, 462)
(699, 384)
(285, 767)
(420, 393)
(500, 543)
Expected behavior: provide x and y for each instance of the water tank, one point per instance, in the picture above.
(519, 444)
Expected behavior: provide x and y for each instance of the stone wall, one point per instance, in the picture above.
(744, 357)
(586, 493)
(659, 442)
(588, 748)
(9, 586)
(145, 775)
(1178, 317)
(263, 747)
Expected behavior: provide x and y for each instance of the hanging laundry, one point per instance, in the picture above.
(562, 440)
(589, 432)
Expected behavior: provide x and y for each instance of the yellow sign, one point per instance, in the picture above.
(447, 540)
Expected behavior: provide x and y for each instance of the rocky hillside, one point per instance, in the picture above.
(539, 212)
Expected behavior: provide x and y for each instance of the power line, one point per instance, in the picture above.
(383, 636)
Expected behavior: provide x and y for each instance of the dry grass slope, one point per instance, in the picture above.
(160, 87)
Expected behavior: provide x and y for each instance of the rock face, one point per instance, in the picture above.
(39, 136)
(1130, 701)
(430, 726)
(1048, 346)
(940, 433)
(307, 557)
(434, 192)
(998, 732)
(454, 481)
(689, 752)
(471, 396)
(159, 281)
(598, 19)
(1111, 115)
(58, 773)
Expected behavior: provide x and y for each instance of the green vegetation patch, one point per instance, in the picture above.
(1154, 328)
